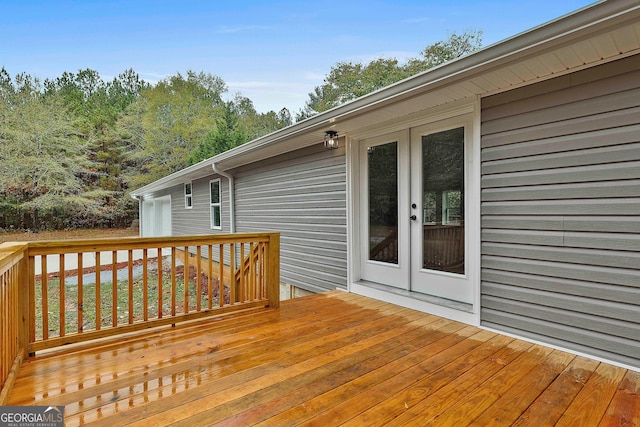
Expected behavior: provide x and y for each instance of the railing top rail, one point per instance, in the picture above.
(11, 253)
(125, 243)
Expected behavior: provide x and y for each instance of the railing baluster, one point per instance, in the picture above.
(145, 285)
(198, 275)
(252, 273)
(45, 297)
(259, 271)
(159, 262)
(263, 270)
(80, 293)
(98, 297)
(5, 324)
(130, 290)
(210, 281)
(114, 288)
(61, 303)
(173, 280)
(232, 273)
(5, 319)
(242, 286)
(221, 276)
(186, 280)
(28, 301)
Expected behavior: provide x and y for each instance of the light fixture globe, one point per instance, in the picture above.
(331, 140)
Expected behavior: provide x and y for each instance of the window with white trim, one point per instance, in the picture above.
(215, 205)
(188, 195)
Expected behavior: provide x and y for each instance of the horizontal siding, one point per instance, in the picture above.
(561, 211)
(302, 195)
(563, 152)
(187, 222)
(602, 224)
(590, 257)
(602, 345)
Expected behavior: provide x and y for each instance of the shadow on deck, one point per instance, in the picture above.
(325, 360)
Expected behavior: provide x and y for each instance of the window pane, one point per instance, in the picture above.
(215, 216)
(187, 188)
(187, 201)
(383, 203)
(215, 192)
(443, 201)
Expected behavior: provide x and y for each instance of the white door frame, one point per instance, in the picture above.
(467, 313)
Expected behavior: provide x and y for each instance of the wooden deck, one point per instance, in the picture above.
(325, 360)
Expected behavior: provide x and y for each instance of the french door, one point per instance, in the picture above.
(384, 211)
(414, 201)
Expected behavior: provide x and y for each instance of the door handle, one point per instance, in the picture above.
(413, 217)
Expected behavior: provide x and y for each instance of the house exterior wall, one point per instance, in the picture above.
(187, 222)
(561, 211)
(302, 195)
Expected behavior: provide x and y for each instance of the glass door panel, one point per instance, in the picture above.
(384, 209)
(382, 163)
(443, 201)
(439, 201)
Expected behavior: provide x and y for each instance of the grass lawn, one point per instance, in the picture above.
(72, 305)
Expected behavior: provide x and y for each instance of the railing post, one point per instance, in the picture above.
(26, 301)
(273, 271)
(25, 297)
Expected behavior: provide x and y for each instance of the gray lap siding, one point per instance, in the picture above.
(196, 220)
(561, 211)
(302, 195)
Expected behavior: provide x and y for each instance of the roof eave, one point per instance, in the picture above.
(563, 30)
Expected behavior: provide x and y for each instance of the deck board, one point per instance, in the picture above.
(327, 359)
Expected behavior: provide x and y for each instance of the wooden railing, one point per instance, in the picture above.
(62, 292)
(443, 248)
(387, 249)
(246, 274)
(13, 331)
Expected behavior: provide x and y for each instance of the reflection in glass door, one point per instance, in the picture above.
(382, 163)
(440, 157)
(443, 201)
(384, 209)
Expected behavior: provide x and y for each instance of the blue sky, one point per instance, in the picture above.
(274, 52)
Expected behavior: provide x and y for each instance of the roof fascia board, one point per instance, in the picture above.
(173, 179)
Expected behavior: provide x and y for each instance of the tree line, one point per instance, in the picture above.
(73, 147)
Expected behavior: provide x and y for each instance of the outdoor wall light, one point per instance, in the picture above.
(331, 140)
